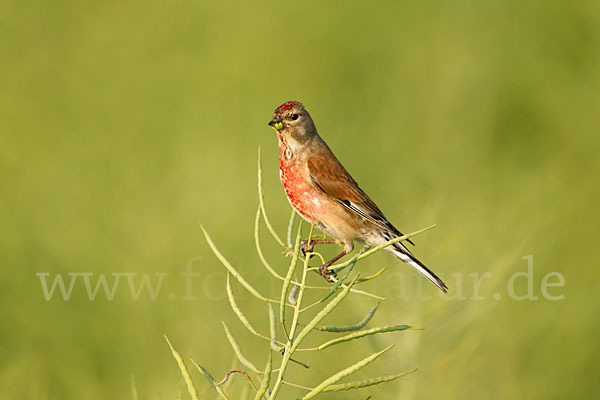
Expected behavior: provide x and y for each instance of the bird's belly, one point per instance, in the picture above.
(336, 221)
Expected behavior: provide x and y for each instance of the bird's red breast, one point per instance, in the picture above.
(294, 177)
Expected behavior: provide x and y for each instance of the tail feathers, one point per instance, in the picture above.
(402, 253)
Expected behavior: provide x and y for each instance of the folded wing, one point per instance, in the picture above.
(328, 174)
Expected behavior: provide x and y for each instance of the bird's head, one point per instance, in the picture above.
(293, 122)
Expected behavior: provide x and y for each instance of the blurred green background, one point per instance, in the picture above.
(125, 123)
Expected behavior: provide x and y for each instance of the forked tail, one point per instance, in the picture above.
(400, 251)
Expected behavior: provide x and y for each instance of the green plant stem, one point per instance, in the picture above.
(297, 386)
(295, 340)
(288, 278)
(292, 335)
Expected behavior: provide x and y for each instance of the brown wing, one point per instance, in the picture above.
(328, 174)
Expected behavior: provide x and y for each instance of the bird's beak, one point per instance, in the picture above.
(276, 124)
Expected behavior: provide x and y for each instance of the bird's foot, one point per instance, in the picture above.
(326, 273)
(308, 246)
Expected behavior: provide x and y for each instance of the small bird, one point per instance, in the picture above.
(321, 190)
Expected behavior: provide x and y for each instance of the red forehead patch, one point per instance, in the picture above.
(288, 105)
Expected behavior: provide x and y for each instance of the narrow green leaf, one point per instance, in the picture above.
(370, 277)
(366, 382)
(361, 334)
(293, 296)
(237, 310)
(337, 284)
(288, 276)
(237, 351)
(264, 386)
(184, 371)
(344, 373)
(262, 204)
(259, 247)
(362, 292)
(273, 329)
(209, 378)
(358, 291)
(230, 268)
(349, 328)
(290, 229)
(322, 314)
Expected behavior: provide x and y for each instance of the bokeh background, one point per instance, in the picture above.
(125, 123)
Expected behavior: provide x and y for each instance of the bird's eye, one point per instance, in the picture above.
(294, 116)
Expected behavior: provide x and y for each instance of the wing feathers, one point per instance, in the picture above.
(328, 174)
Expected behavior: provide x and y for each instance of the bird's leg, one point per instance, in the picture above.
(309, 247)
(324, 272)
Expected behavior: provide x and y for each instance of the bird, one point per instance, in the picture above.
(323, 193)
